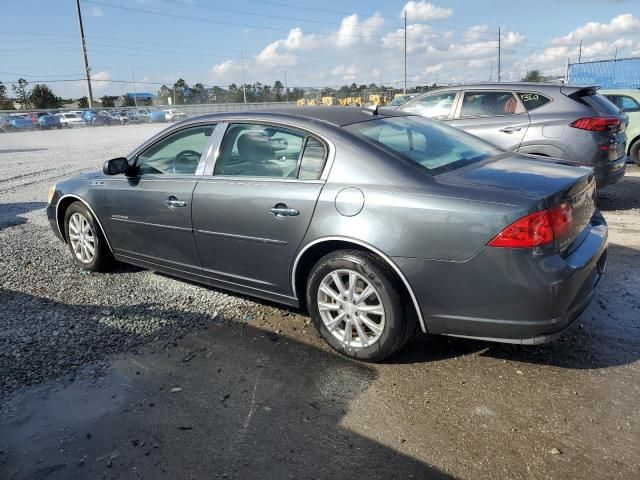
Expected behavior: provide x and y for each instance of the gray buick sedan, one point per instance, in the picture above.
(376, 223)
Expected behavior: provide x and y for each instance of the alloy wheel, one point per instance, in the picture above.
(351, 308)
(82, 238)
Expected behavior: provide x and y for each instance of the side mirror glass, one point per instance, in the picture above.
(115, 166)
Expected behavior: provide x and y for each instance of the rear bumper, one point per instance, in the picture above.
(608, 173)
(509, 295)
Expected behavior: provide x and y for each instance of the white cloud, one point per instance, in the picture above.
(352, 31)
(96, 12)
(593, 31)
(423, 11)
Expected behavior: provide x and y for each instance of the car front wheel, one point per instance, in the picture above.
(85, 239)
(357, 306)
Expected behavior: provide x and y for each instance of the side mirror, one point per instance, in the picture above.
(115, 166)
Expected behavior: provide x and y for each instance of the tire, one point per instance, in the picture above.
(634, 152)
(395, 324)
(102, 258)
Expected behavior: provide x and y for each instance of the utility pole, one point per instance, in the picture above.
(580, 52)
(566, 75)
(491, 72)
(499, 45)
(86, 59)
(244, 89)
(286, 87)
(135, 93)
(615, 56)
(405, 51)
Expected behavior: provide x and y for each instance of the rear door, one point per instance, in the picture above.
(252, 211)
(495, 116)
(149, 211)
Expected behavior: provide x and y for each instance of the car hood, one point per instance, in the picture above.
(533, 177)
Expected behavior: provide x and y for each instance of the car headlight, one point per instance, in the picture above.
(52, 191)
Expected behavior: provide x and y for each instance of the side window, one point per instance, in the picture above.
(624, 102)
(254, 150)
(437, 107)
(532, 100)
(313, 160)
(179, 153)
(488, 104)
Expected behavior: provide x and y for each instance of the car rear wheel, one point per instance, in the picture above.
(85, 239)
(634, 152)
(357, 306)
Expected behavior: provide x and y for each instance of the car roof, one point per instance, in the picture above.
(335, 115)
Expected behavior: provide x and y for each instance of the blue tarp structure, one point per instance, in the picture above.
(619, 73)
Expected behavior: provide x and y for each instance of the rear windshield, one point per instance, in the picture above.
(434, 146)
(599, 103)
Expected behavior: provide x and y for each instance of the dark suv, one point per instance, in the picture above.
(553, 120)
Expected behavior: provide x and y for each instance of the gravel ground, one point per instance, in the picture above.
(76, 317)
(98, 354)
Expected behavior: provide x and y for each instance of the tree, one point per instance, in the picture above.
(278, 88)
(5, 103)
(128, 101)
(21, 93)
(197, 93)
(42, 97)
(533, 76)
(107, 101)
(164, 93)
(180, 88)
(83, 102)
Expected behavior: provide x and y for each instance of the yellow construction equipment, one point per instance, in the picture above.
(378, 99)
(301, 102)
(312, 101)
(328, 101)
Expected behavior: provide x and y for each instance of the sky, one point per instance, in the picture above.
(312, 43)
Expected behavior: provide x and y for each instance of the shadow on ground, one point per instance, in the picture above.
(622, 195)
(11, 213)
(230, 401)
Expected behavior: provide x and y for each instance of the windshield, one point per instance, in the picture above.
(434, 146)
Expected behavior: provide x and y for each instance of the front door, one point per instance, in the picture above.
(149, 209)
(250, 216)
(495, 116)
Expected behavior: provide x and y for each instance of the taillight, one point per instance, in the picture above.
(597, 124)
(536, 229)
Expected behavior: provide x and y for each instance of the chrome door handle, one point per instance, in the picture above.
(281, 210)
(173, 202)
(510, 129)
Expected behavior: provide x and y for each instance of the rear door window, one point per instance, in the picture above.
(489, 104)
(532, 100)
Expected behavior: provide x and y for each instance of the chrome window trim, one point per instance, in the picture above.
(86, 204)
(133, 156)
(385, 257)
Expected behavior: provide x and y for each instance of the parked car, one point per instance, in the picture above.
(68, 120)
(118, 117)
(51, 120)
(628, 101)
(553, 120)
(34, 117)
(95, 118)
(174, 115)
(402, 99)
(373, 221)
(20, 122)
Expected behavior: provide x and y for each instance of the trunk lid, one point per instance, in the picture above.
(546, 183)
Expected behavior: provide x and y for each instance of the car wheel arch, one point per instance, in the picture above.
(61, 207)
(315, 250)
(632, 143)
